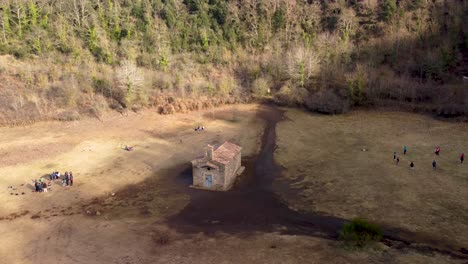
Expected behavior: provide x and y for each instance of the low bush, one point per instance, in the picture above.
(290, 96)
(68, 115)
(360, 233)
(260, 87)
(327, 102)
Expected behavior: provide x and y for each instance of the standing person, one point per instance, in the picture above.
(67, 178)
(44, 187)
(434, 164)
(36, 185)
(405, 149)
(397, 160)
(71, 178)
(462, 157)
(394, 155)
(437, 151)
(411, 166)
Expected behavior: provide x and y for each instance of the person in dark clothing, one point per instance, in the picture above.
(71, 178)
(434, 164)
(405, 149)
(462, 157)
(397, 160)
(411, 166)
(394, 155)
(36, 185)
(437, 151)
(67, 178)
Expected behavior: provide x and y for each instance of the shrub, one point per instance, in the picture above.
(389, 8)
(161, 238)
(360, 233)
(290, 96)
(102, 86)
(69, 115)
(327, 102)
(62, 95)
(260, 87)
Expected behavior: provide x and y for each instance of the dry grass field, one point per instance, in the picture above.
(119, 208)
(332, 173)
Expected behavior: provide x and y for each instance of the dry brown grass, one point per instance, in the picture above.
(324, 153)
(125, 231)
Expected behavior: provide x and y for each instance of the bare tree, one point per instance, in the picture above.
(130, 79)
(80, 12)
(302, 63)
(5, 21)
(290, 16)
(19, 11)
(347, 24)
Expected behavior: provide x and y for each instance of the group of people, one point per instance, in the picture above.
(434, 162)
(41, 185)
(200, 128)
(67, 179)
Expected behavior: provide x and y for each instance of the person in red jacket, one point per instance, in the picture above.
(462, 157)
(437, 151)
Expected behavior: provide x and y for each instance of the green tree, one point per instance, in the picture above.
(278, 19)
(33, 13)
(6, 28)
(389, 8)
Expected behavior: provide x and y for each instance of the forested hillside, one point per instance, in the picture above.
(64, 59)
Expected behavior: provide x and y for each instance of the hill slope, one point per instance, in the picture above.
(81, 56)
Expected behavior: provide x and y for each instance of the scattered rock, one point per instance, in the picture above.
(112, 194)
(98, 213)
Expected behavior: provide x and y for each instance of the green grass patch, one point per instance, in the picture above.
(360, 233)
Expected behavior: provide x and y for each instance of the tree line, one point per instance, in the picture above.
(354, 52)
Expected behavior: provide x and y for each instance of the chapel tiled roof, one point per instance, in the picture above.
(226, 152)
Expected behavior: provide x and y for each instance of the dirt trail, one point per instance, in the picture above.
(253, 205)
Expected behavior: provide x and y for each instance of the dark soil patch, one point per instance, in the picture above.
(36, 216)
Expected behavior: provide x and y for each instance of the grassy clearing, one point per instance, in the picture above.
(324, 155)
